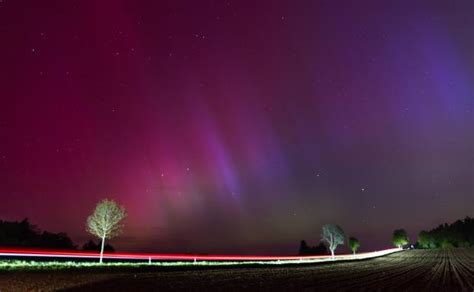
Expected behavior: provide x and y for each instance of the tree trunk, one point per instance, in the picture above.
(102, 249)
(332, 253)
(354, 252)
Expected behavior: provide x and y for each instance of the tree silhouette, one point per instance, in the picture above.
(25, 234)
(92, 246)
(320, 249)
(303, 248)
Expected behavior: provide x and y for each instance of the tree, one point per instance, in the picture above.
(25, 234)
(333, 235)
(55, 240)
(92, 246)
(457, 234)
(400, 238)
(425, 240)
(105, 222)
(354, 244)
(305, 249)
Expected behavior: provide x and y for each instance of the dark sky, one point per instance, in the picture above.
(237, 126)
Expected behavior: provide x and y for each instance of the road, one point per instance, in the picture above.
(414, 270)
(117, 256)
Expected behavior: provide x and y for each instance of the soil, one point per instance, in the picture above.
(413, 270)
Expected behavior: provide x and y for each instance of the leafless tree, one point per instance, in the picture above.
(333, 235)
(105, 221)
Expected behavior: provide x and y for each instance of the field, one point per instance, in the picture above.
(413, 270)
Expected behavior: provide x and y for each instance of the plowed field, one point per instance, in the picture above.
(413, 270)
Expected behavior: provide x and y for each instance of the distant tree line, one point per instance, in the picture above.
(24, 234)
(457, 234)
(92, 246)
(305, 249)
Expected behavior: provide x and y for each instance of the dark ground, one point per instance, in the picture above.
(414, 270)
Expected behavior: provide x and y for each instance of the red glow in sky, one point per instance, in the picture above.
(235, 126)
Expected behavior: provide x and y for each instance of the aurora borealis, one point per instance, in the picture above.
(237, 126)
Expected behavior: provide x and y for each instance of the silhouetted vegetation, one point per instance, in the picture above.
(24, 234)
(457, 234)
(320, 249)
(92, 246)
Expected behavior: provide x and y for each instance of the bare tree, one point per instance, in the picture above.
(105, 221)
(333, 235)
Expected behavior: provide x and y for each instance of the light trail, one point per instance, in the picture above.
(186, 257)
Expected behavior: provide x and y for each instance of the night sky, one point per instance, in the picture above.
(237, 126)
